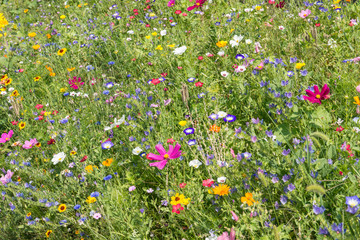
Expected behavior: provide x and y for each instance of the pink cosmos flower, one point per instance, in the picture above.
(317, 96)
(6, 136)
(173, 153)
(30, 144)
(304, 13)
(171, 3)
(198, 4)
(97, 215)
(7, 178)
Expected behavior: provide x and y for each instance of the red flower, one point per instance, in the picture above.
(51, 141)
(208, 182)
(155, 81)
(178, 12)
(83, 159)
(200, 58)
(133, 59)
(339, 129)
(55, 112)
(341, 173)
(179, 68)
(182, 185)
(14, 122)
(147, 156)
(317, 96)
(199, 84)
(280, 4)
(41, 118)
(177, 208)
(317, 24)
(135, 10)
(39, 106)
(170, 140)
(164, 74)
(147, 25)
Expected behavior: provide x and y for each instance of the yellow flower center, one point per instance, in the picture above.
(318, 96)
(166, 156)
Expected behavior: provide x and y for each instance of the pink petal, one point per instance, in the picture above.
(325, 90)
(175, 152)
(316, 88)
(155, 157)
(160, 149)
(160, 165)
(191, 8)
(310, 93)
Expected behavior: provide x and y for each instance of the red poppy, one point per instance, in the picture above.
(155, 81)
(199, 84)
(178, 12)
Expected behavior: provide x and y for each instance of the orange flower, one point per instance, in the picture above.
(248, 199)
(214, 128)
(107, 162)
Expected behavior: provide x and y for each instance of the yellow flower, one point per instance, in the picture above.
(62, 208)
(171, 46)
(3, 21)
(182, 123)
(48, 232)
(52, 74)
(89, 168)
(107, 162)
(37, 78)
(232, 30)
(179, 199)
(72, 153)
(32, 34)
(79, 6)
(222, 190)
(14, 26)
(357, 100)
(26, 10)
(159, 47)
(299, 65)
(36, 47)
(336, 1)
(62, 16)
(147, 37)
(77, 232)
(248, 199)
(63, 90)
(8, 81)
(221, 44)
(22, 125)
(67, 6)
(152, 15)
(15, 93)
(71, 69)
(258, 8)
(29, 214)
(62, 51)
(90, 199)
(154, 33)
(48, 36)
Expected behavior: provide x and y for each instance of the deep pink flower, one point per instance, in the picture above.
(30, 144)
(317, 96)
(75, 82)
(198, 4)
(173, 153)
(208, 182)
(171, 3)
(226, 236)
(177, 208)
(6, 136)
(182, 185)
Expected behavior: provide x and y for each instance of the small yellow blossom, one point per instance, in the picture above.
(154, 33)
(299, 65)
(62, 16)
(159, 47)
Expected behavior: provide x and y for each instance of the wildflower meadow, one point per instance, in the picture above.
(180, 119)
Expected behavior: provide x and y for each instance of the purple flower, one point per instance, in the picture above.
(352, 201)
(255, 121)
(337, 228)
(286, 152)
(189, 131)
(253, 139)
(107, 145)
(229, 118)
(318, 210)
(275, 180)
(269, 133)
(142, 210)
(323, 231)
(213, 116)
(291, 187)
(286, 178)
(132, 188)
(283, 199)
(108, 177)
(191, 142)
(352, 210)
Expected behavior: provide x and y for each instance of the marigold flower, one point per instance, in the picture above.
(32, 34)
(36, 47)
(107, 162)
(221, 44)
(221, 190)
(214, 128)
(248, 199)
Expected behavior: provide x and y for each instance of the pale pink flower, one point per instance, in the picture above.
(305, 13)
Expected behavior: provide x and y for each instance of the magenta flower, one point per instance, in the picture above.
(164, 156)
(317, 96)
(7, 178)
(304, 13)
(75, 83)
(30, 144)
(171, 3)
(6, 136)
(226, 236)
(198, 4)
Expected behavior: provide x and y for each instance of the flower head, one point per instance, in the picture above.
(173, 153)
(317, 96)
